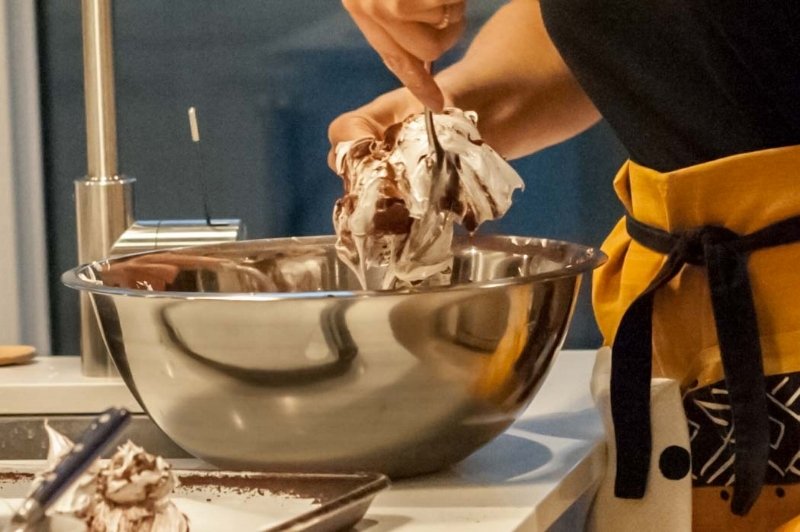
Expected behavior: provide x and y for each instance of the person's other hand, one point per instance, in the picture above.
(371, 120)
(409, 33)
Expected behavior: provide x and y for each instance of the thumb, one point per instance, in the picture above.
(351, 126)
(371, 120)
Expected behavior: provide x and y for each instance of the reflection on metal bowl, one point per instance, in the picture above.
(266, 354)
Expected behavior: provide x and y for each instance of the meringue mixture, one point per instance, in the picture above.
(131, 493)
(127, 493)
(394, 224)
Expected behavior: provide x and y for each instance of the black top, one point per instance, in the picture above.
(686, 81)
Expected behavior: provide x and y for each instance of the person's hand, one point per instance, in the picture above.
(409, 33)
(512, 76)
(371, 120)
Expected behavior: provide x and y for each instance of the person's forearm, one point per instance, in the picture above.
(513, 76)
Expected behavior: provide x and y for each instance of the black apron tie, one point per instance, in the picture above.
(724, 254)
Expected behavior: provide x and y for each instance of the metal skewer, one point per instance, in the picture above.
(434, 220)
(195, 132)
(435, 148)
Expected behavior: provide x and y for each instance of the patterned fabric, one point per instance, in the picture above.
(708, 414)
(725, 256)
(719, 192)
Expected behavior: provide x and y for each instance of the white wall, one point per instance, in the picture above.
(24, 312)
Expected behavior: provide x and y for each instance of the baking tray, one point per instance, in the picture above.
(251, 501)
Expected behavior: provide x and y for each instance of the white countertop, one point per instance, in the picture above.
(55, 385)
(525, 479)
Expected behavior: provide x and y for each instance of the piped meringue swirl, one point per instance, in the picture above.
(128, 492)
(131, 493)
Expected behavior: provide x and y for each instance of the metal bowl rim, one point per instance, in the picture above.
(594, 258)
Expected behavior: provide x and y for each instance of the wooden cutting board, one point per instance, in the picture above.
(16, 354)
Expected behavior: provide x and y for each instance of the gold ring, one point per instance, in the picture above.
(445, 21)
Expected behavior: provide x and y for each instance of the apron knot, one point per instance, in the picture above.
(687, 247)
(724, 255)
(693, 246)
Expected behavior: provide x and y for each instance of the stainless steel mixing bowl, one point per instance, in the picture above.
(266, 354)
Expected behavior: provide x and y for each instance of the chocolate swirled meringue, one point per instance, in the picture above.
(127, 493)
(131, 493)
(393, 223)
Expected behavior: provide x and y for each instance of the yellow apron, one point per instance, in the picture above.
(743, 193)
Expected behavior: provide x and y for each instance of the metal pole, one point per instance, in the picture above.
(103, 199)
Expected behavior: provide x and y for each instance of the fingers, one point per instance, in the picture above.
(424, 41)
(434, 12)
(371, 120)
(426, 33)
(424, 28)
(407, 33)
(409, 69)
(354, 126)
(427, 11)
(351, 126)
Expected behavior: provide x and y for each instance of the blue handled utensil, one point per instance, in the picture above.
(90, 445)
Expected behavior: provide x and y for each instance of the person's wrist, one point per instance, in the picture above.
(455, 89)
